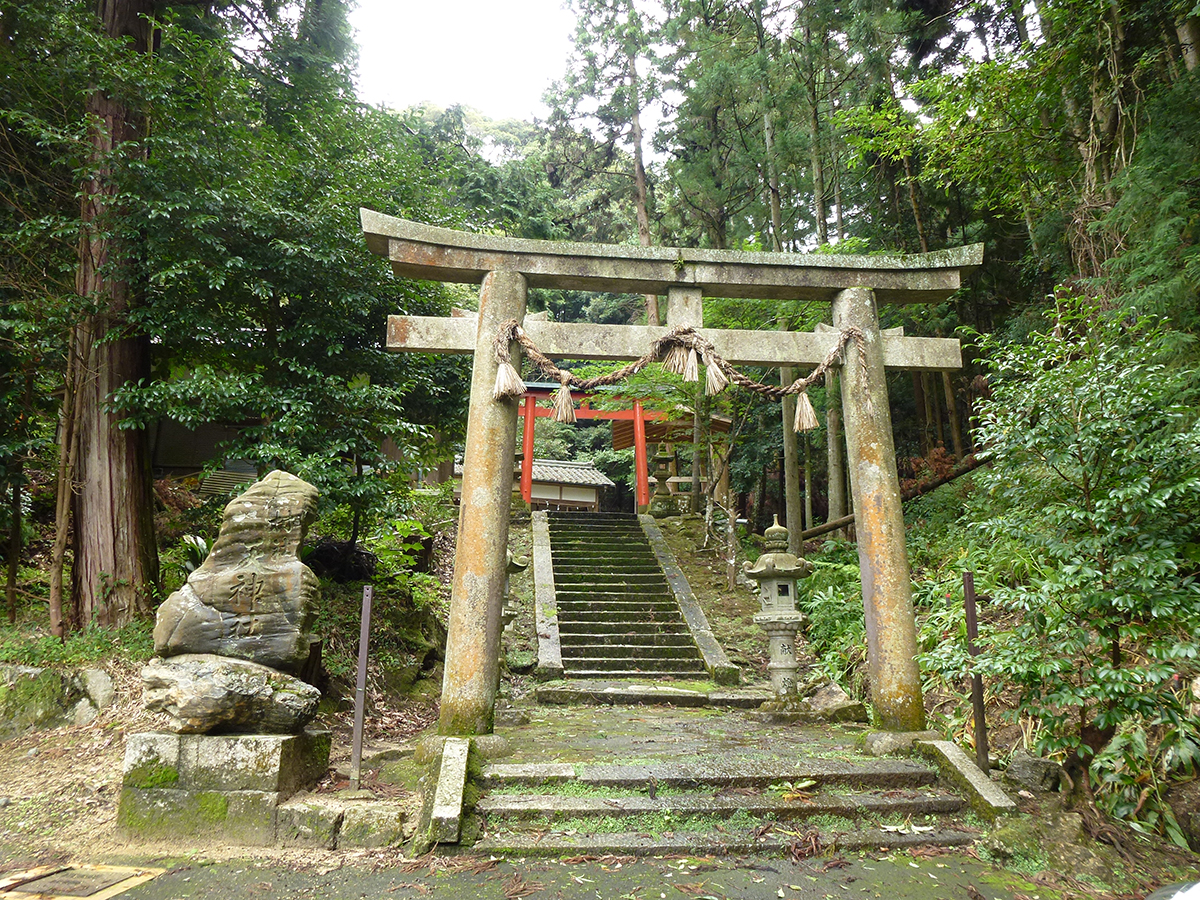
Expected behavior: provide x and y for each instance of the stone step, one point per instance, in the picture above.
(634, 666)
(646, 622)
(607, 622)
(591, 638)
(712, 843)
(686, 673)
(629, 652)
(549, 807)
(605, 540)
(590, 581)
(612, 572)
(619, 605)
(632, 614)
(660, 692)
(884, 773)
(618, 596)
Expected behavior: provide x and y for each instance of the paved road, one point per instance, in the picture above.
(890, 877)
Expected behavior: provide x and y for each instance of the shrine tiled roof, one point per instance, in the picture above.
(553, 471)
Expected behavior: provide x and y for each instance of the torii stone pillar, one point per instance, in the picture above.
(477, 594)
(507, 266)
(882, 553)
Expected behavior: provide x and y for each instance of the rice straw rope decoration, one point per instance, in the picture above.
(679, 351)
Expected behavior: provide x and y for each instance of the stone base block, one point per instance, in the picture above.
(308, 822)
(239, 817)
(371, 825)
(275, 763)
(194, 784)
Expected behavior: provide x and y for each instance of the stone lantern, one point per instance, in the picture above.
(662, 504)
(777, 572)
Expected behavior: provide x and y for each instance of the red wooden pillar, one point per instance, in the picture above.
(639, 455)
(527, 450)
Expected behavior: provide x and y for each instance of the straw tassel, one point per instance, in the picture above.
(691, 369)
(806, 416)
(508, 382)
(715, 380)
(676, 360)
(564, 406)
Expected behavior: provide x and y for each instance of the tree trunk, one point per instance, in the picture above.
(115, 562)
(791, 463)
(931, 399)
(952, 409)
(1188, 30)
(814, 146)
(14, 543)
(699, 420)
(833, 431)
(916, 206)
(922, 412)
(808, 509)
(639, 180)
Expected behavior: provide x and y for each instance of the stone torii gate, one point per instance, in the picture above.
(506, 268)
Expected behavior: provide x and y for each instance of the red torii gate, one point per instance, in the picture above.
(532, 411)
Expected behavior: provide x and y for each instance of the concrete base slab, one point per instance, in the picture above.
(984, 795)
(445, 824)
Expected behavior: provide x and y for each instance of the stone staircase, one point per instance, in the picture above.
(810, 807)
(617, 615)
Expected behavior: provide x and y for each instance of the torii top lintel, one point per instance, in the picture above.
(423, 251)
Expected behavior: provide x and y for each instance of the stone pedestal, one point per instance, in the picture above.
(229, 785)
(781, 629)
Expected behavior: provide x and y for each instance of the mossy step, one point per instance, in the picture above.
(605, 690)
(593, 667)
(578, 639)
(603, 621)
(613, 593)
(550, 807)
(627, 652)
(711, 843)
(592, 581)
(864, 774)
(618, 606)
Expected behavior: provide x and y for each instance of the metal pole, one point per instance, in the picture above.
(360, 690)
(981, 738)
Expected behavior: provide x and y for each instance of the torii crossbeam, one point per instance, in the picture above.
(506, 268)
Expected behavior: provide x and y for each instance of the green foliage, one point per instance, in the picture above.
(831, 597)
(93, 644)
(1096, 470)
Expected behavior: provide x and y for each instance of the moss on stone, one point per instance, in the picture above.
(152, 774)
(212, 806)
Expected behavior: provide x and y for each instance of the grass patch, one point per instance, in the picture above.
(94, 644)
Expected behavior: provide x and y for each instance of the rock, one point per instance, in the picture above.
(252, 598)
(204, 693)
(32, 698)
(4, 802)
(99, 687)
(881, 743)
(833, 704)
(1032, 772)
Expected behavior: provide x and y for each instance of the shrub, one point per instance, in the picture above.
(1096, 452)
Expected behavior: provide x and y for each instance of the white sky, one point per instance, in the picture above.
(497, 56)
